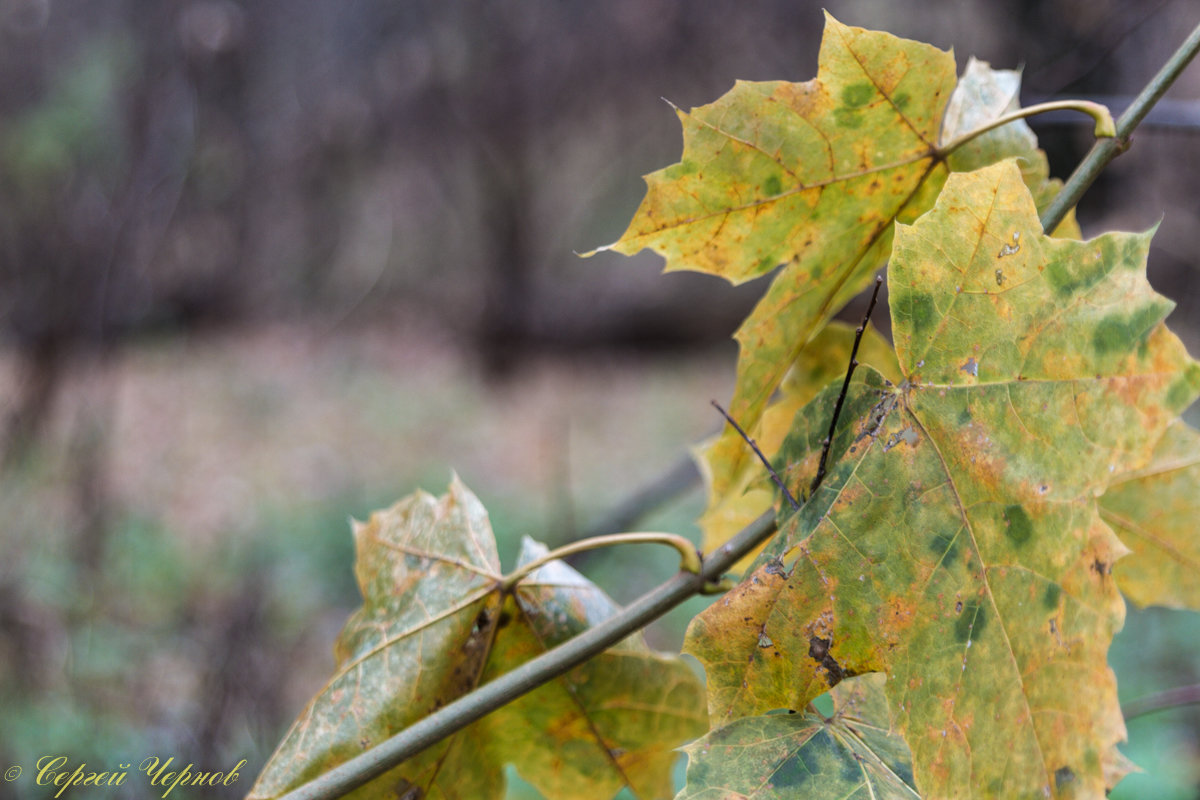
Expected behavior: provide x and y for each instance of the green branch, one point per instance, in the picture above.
(1105, 150)
(527, 677)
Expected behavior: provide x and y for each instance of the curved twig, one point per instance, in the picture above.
(689, 556)
(1100, 115)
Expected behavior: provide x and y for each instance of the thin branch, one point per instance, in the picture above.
(766, 462)
(837, 409)
(1171, 698)
(1105, 150)
(528, 676)
(689, 556)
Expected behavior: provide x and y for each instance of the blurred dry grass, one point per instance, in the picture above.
(204, 433)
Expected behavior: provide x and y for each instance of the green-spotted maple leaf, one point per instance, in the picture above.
(1155, 511)
(853, 755)
(812, 176)
(955, 544)
(434, 624)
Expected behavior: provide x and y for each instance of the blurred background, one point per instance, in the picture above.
(266, 266)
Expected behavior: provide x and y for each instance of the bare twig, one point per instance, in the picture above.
(766, 463)
(1073, 64)
(1171, 698)
(837, 409)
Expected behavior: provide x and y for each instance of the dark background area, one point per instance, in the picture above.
(265, 265)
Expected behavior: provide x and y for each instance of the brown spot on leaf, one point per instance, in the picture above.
(818, 650)
(807, 99)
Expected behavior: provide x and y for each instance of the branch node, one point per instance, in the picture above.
(718, 587)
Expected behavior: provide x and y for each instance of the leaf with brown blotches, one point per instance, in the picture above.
(956, 544)
(435, 624)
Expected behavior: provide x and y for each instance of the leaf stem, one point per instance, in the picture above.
(1105, 127)
(1105, 150)
(689, 557)
(528, 676)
